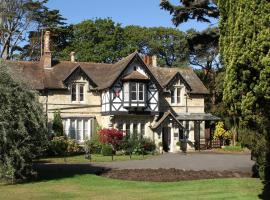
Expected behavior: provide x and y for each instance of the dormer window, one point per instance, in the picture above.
(137, 91)
(176, 95)
(77, 92)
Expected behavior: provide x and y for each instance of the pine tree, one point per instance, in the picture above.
(244, 49)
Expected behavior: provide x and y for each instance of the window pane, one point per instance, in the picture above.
(133, 96)
(141, 96)
(178, 95)
(79, 129)
(72, 131)
(73, 92)
(81, 92)
(172, 96)
(85, 130)
(133, 87)
(142, 128)
(141, 91)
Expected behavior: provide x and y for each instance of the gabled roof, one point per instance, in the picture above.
(80, 70)
(102, 75)
(165, 116)
(192, 81)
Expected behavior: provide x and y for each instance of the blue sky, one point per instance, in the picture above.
(126, 12)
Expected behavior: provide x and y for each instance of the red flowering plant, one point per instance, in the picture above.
(111, 136)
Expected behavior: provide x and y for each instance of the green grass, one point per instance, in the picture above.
(237, 148)
(95, 158)
(99, 188)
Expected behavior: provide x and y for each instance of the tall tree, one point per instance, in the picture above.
(245, 53)
(18, 17)
(200, 10)
(99, 40)
(170, 45)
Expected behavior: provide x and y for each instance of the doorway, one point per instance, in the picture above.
(166, 138)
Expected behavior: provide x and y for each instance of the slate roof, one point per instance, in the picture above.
(101, 74)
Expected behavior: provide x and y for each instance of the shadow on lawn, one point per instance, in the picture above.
(47, 171)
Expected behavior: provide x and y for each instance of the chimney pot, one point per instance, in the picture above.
(72, 56)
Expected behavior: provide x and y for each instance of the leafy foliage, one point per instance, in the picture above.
(244, 47)
(113, 137)
(23, 133)
(200, 10)
(63, 146)
(221, 132)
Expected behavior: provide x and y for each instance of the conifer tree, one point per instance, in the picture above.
(244, 48)
(57, 125)
(23, 133)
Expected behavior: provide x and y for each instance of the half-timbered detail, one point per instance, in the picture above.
(133, 95)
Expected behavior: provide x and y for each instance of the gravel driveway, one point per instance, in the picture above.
(190, 161)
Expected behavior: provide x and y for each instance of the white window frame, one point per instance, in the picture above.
(137, 85)
(175, 89)
(78, 92)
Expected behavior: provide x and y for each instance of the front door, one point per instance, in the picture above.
(166, 138)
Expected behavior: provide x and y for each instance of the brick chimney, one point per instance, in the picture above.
(72, 56)
(47, 55)
(150, 60)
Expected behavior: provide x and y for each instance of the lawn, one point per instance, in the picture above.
(95, 158)
(99, 188)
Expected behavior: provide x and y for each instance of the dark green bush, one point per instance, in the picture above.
(57, 125)
(23, 132)
(107, 150)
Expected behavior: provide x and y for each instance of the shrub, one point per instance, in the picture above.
(73, 147)
(221, 133)
(138, 145)
(58, 146)
(148, 145)
(62, 146)
(107, 150)
(111, 136)
(93, 146)
(23, 132)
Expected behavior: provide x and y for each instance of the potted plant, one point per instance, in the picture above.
(160, 145)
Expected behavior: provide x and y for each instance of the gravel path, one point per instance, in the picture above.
(190, 161)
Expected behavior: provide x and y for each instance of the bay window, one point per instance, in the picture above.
(77, 128)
